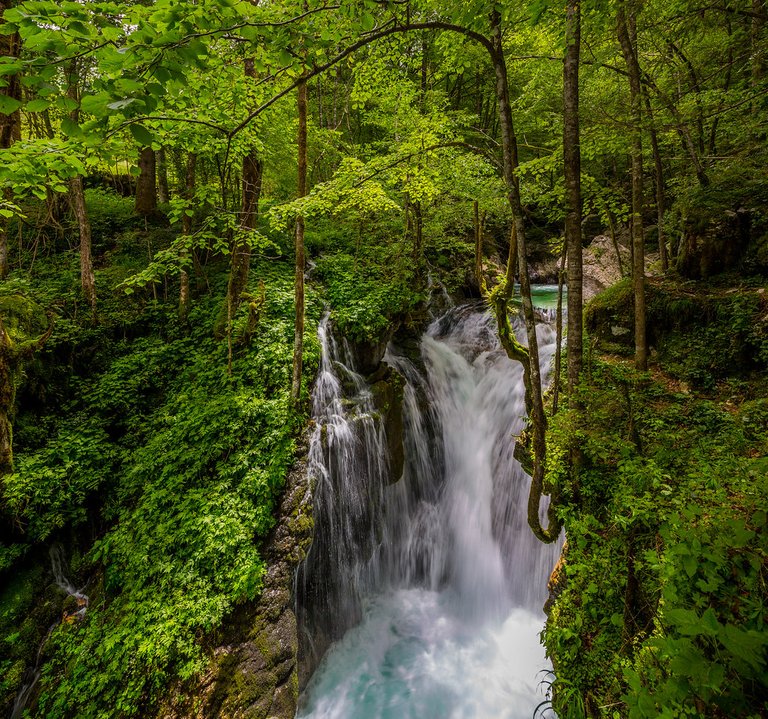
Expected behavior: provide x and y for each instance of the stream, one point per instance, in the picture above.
(424, 596)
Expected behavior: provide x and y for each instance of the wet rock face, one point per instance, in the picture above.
(387, 389)
(368, 354)
(253, 668)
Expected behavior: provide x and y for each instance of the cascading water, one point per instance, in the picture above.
(431, 587)
(60, 578)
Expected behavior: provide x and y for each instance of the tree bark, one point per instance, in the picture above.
(10, 125)
(146, 185)
(572, 174)
(298, 337)
(79, 209)
(163, 194)
(659, 185)
(478, 247)
(186, 230)
(87, 278)
(627, 40)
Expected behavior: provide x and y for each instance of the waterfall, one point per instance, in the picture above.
(425, 590)
(33, 673)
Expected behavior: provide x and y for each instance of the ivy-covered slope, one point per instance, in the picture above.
(131, 433)
(659, 604)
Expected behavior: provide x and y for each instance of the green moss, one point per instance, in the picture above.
(23, 318)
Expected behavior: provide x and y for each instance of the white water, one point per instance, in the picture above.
(60, 578)
(436, 609)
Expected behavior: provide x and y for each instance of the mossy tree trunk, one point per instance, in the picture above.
(627, 35)
(572, 175)
(146, 185)
(298, 336)
(77, 203)
(10, 125)
(534, 394)
(12, 357)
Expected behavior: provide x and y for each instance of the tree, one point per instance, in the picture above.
(572, 174)
(627, 33)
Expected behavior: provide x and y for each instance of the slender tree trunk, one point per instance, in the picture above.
(558, 333)
(628, 40)
(534, 388)
(418, 237)
(186, 230)
(659, 184)
(478, 247)
(87, 278)
(10, 125)
(572, 172)
(298, 337)
(163, 195)
(146, 185)
(240, 263)
(79, 209)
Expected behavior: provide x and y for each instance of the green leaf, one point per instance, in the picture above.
(70, 128)
(95, 104)
(10, 68)
(141, 135)
(367, 22)
(8, 105)
(37, 105)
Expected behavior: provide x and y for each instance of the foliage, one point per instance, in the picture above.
(185, 464)
(661, 612)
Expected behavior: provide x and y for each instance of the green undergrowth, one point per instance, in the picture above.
(661, 608)
(729, 316)
(157, 470)
(370, 282)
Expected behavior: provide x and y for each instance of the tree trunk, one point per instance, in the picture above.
(240, 263)
(534, 388)
(146, 185)
(186, 230)
(163, 195)
(659, 183)
(627, 39)
(79, 209)
(10, 125)
(572, 173)
(87, 278)
(478, 247)
(298, 337)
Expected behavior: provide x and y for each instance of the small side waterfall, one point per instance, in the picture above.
(62, 581)
(430, 586)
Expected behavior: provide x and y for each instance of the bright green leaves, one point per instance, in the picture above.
(141, 135)
(367, 22)
(8, 105)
